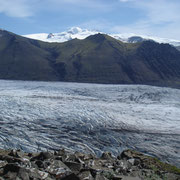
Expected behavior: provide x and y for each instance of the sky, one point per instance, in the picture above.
(159, 18)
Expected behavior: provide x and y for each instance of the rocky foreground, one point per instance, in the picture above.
(63, 165)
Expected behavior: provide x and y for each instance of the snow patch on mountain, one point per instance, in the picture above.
(76, 32)
(72, 33)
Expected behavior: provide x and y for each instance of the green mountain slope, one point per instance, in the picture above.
(98, 59)
(21, 59)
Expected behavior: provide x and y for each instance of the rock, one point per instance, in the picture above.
(84, 157)
(71, 158)
(131, 161)
(11, 167)
(39, 163)
(85, 175)
(129, 154)
(107, 156)
(36, 174)
(10, 176)
(131, 165)
(10, 159)
(74, 166)
(117, 178)
(70, 177)
(61, 152)
(23, 174)
(137, 161)
(58, 169)
(13, 170)
(100, 177)
(2, 163)
(14, 153)
(42, 156)
(128, 178)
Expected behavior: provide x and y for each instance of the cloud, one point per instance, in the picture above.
(78, 4)
(27, 8)
(125, 0)
(161, 18)
(15, 8)
(160, 10)
(99, 24)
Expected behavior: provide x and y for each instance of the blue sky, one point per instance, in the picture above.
(149, 17)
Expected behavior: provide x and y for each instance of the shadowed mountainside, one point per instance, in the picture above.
(178, 48)
(98, 59)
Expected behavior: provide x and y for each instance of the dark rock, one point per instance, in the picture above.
(14, 153)
(74, 166)
(70, 177)
(42, 156)
(39, 163)
(58, 169)
(11, 167)
(85, 175)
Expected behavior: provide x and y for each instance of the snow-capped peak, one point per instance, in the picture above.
(76, 32)
(72, 33)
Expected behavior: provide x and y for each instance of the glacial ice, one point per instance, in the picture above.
(38, 116)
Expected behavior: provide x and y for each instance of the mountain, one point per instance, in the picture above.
(22, 58)
(76, 32)
(72, 33)
(178, 48)
(98, 58)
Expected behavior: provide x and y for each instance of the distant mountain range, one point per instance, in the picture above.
(99, 58)
(76, 32)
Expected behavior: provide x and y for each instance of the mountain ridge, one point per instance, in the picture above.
(76, 32)
(98, 58)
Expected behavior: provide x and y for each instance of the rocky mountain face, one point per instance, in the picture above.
(63, 165)
(97, 59)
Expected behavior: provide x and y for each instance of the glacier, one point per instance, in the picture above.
(77, 32)
(40, 116)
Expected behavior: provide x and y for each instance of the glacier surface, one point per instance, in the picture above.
(38, 116)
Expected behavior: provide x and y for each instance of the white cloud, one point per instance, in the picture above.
(99, 24)
(26, 8)
(161, 18)
(15, 8)
(160, 10)
(125, 0)
(75, 5)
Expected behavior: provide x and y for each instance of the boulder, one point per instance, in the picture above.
(58, 169)
(42, 156)
(85, 175)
